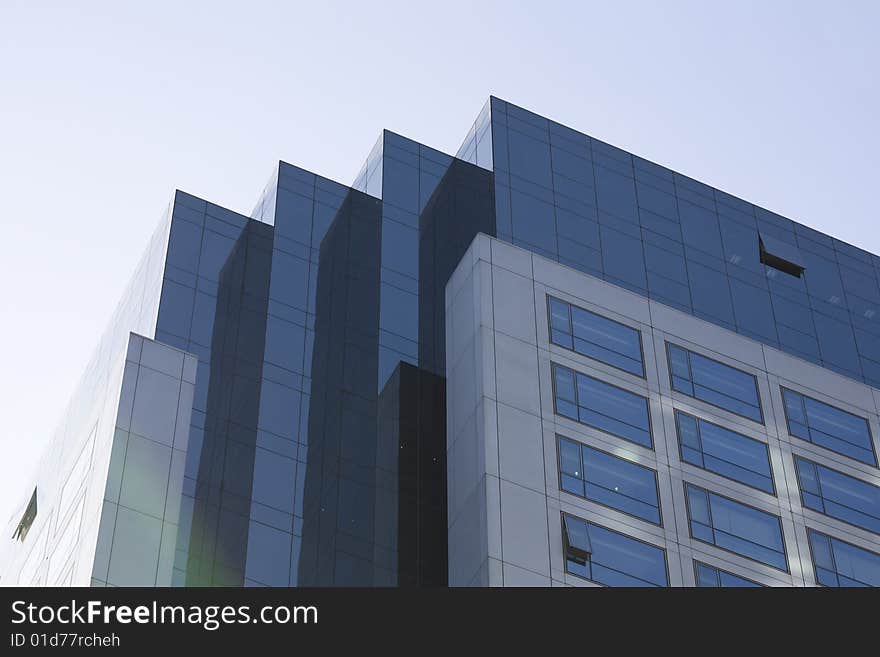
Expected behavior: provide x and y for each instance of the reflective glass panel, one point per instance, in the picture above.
(609, 480)
(614, 559)
(595, 336)
(724, 452)
(602, 405)
(736, 527)
(838, 495)
(710, 576)
(838, 563)
(713, 382)
(828, 427)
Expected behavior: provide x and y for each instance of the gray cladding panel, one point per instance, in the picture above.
(503, 327)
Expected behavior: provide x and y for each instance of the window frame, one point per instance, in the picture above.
(677, 412)
(797, 473)
(560, 437)
(719, 547)
(783, 389)
(551, 298)
(832, 537)
(565, 569)
(762, 421)
(698, 563)
(647, 400)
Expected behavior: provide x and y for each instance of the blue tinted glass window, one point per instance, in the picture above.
(602, 405)
(611, 558)
(710, 576)
(838, 495)
(714, 382)
(736, 527)
(609, 480)
(724, 452)
(829, 427)
(837, 563)
(699, 228)
(595, 336)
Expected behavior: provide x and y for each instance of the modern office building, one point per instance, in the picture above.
(544, 361)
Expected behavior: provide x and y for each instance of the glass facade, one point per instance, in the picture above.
(316, 450)
(322, 279)
(606, 212)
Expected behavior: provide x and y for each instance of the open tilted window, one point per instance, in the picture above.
(577, 540)
(24, 525)
(780, 255)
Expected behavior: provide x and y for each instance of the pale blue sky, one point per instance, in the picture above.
(107, 107)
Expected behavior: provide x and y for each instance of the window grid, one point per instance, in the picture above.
(752, 478)
(722, 578)
(692, 387)
(814, 495)
(588, 555)
(839, 563)
(573, 479)
(807, 407)
(715, 531)
(567, 384)
(563, 333)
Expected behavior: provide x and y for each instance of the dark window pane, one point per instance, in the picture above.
(710, 293)
(622, 258)
(534, 222)
(699, 228)
(837, 344)
(176, 308)
(616, 194)
(530, 158)
(754, 315)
